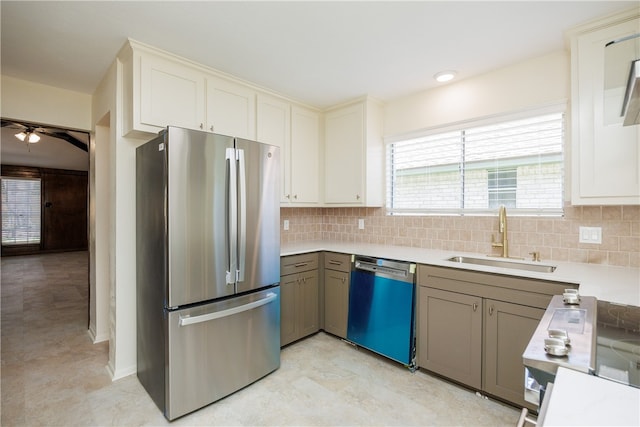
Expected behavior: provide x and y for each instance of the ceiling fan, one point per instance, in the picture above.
(30, 132)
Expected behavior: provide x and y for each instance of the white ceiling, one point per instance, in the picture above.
(49, 152)
(320, 53)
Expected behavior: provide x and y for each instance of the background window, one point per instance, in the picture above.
(518, 163)
(20, 211)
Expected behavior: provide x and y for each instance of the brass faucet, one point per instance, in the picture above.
(502, 228)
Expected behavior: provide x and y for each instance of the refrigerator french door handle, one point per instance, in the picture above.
(232, 212)
(187, 320)
(242, 227)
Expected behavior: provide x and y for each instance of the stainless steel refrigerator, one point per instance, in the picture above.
(208, 266)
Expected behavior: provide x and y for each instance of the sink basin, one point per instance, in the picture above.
(492, 262)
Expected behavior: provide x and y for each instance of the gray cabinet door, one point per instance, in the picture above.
(450, 335)
(288, 321)
(298, 306)
(336, 304)
(508, 329)
(308, 303)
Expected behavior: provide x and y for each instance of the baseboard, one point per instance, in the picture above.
(97, 338)
(120, 373)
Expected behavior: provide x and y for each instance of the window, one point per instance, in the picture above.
(20, 211)
(517, 163)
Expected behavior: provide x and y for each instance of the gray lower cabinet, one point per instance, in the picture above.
(473, 327)
(299, 293)
(508, 329)
(450, 335)
(337, 268)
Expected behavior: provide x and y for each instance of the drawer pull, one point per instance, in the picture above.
(301, 264)
(333, 262)
(475, 306)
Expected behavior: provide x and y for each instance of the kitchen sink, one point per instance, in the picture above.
(541, 268)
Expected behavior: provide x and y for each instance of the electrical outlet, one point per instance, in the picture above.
(361, 224)
(286, 224)
(590, 235)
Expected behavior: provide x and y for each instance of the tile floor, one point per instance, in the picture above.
(52, 375)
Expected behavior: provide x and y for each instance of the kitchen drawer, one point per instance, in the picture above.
(298, 263)
(337, 262)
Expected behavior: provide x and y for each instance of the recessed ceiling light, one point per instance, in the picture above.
(444, 76)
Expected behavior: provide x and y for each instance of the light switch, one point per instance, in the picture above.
(590, 235)
(361, 224)
(286, 224)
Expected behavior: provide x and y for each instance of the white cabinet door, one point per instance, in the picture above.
(170, 94)
(231, 109)
(274, 127)
(305, 150)
(345, 155)
(605, 155)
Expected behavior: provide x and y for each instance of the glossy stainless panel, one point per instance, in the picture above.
(222, 347)
(197, 214)
(151, 266)
(259, 253)
(582, 352)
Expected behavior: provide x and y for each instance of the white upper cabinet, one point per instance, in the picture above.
(605, 155)
(305, 154)
(274, 127)
(354, 161)
(170, 94)
(231, 108)
(296, 131)
(161, 90)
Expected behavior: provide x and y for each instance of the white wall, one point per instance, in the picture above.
(116, 250)
(33, 102)
(535, 82)
(100, 228)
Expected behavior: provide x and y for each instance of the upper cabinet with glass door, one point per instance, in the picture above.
(605, 153)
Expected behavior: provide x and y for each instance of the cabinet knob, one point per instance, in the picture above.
(357, 197)
(343, 280)
(288, 196)
(295, 196)
(475, 306)
(491, 310)
(211, 128)
(201, 125)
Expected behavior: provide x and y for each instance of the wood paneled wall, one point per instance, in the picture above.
(64, 209)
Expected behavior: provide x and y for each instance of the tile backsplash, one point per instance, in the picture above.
(555, 238)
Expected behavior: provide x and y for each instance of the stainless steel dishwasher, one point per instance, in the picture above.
(382, 308)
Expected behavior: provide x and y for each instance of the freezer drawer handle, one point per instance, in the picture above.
(187, 320)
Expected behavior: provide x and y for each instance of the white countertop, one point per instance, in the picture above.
(579, 399)
(608, 283)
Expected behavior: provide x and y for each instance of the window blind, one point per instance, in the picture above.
(20, 211)
(516, 163)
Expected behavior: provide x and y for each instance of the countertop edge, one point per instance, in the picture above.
(610, 283)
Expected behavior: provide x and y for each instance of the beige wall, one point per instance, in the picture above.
(555, 238)
(536, 82)
(33, 102)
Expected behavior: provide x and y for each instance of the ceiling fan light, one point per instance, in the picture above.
(445, 76)
(33, 138)
(21, 136)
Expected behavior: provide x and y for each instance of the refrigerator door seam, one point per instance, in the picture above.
(187, 320)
